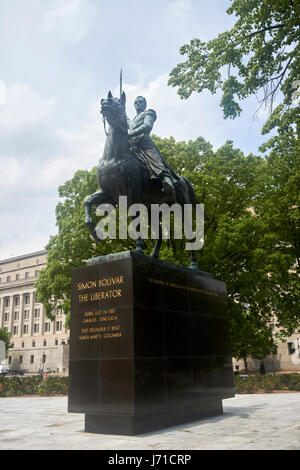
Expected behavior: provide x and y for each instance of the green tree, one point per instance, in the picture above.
(6, 338)
(259, 54)
(278, 205)
(250, 339)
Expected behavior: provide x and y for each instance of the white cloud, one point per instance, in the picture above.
(179, 8)
(10, 172)
(38, 154)
(69, 20)
(182, 119)
(23, 108)
(2, 92)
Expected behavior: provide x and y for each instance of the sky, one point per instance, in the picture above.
(58, 58)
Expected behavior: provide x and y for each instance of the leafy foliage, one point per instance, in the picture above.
(6, 338)
(33, 385)
(267, 383)
(260, 53)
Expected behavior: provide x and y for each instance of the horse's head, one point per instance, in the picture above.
(113, 110)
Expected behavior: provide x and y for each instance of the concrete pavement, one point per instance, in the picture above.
(262, 421)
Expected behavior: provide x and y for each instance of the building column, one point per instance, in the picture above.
(31, 313)
(2, 312)
(11, 314)
(21, 310)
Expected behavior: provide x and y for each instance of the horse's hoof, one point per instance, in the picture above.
(194, 265)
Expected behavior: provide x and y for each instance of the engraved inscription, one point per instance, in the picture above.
(180, 286)
(100, 325)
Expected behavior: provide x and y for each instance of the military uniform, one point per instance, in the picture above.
(139, 131)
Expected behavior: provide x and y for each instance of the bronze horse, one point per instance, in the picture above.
(122, 173)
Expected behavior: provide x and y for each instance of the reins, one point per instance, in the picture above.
(104, 123)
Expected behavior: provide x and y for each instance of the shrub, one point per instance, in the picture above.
(33, 385)
(53, 386)
(267, 383)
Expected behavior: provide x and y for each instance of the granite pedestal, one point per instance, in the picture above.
(149, 345)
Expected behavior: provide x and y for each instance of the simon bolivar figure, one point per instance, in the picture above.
(139, 130)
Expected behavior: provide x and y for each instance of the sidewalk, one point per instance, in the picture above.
(264, 421)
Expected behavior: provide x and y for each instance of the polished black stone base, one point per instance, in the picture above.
(131, 425)
(149, 345)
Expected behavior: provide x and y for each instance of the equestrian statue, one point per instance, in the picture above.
(132, 166)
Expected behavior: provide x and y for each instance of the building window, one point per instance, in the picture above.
(58, 326)
(59, 311)
(6, 316)
(0, 280)
(33, 344)
(44, 343)
(23, 344)
(16, 316)
(36, 313)
(6, 302)
(8, 279)
(43, 358)
(36, 273)
(27, 275)
(20, 359)
(26, 314)
(47, 327)
(32, 359)
(17, 300)
(15, 330)
(27, 299)
(291, 348)
(17, 277)
(25, 330)
(56, 342)
(36, 327)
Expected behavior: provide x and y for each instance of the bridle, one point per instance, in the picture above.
(104, 125)
(104, 119)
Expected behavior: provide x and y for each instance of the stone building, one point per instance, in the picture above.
(38, 342)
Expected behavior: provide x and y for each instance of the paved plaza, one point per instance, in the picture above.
(263, 421)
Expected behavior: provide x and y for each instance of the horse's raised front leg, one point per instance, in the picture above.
(94, 199)
(139, 245)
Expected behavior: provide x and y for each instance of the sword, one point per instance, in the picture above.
(121, 83)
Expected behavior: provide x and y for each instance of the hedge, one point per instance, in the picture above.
(33, 385)
(47, 386)
(255, 383)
